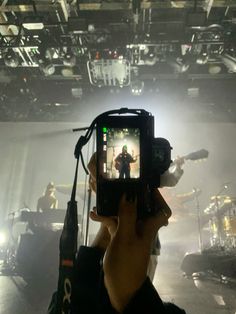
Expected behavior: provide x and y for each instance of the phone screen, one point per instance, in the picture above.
(121, 153)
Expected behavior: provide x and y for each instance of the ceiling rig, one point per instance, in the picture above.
(104, 43)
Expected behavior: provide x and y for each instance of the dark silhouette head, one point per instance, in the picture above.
(124, 149)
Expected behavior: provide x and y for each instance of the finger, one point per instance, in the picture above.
(92, 165)
(127, 216)
(95, 209)
(160, 204)
(109, 222)
(92, 184)
(94, 216)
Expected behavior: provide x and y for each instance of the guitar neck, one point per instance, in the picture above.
(198, 155)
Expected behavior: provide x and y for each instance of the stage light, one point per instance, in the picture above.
(202, 59)
(69, 59)
(91, 28)
(214, 69)
(32, 23)
(11, 59)
(32, 26)
(67, 72)
(45, 60)
(3, 238)
(48, 68)
(178, 65)
(229, 62)
(137, 87)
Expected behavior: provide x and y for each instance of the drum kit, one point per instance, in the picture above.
(219, 258)
(222, 221)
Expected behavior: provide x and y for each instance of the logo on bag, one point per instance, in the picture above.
(67, 291)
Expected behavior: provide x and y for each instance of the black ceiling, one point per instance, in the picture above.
(56, 54)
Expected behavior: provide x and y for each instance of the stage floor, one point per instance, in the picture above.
(195, 296)
(205, 297)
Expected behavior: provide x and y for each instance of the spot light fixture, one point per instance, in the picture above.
(179, 66)
(202, 59)
(67, 71)
(45, 61)
(69, 59)
(48, 68)
(137, 87)
(11, 59)
(214, 69)
(33, 23)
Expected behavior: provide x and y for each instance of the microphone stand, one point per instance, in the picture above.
(219, 222)
(200, 243)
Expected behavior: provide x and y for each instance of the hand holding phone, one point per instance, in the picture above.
(127, 256)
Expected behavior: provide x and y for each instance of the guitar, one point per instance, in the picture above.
(199, 155)
(118, 164)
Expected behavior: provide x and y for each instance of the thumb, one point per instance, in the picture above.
(127, 216)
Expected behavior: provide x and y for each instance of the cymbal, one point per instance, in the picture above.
(67, 188)
(189, 196)
(230, 200)
(198, 191)
(219, 197)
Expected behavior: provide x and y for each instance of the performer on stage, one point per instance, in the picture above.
(123, 161)
(172, 176)
(168, 179)
(48, 200)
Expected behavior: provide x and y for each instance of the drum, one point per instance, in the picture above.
(229, 224)
(213, 226)
(214, 231)
(217, 231)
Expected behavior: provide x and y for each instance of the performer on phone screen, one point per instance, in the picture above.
(122, 163)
